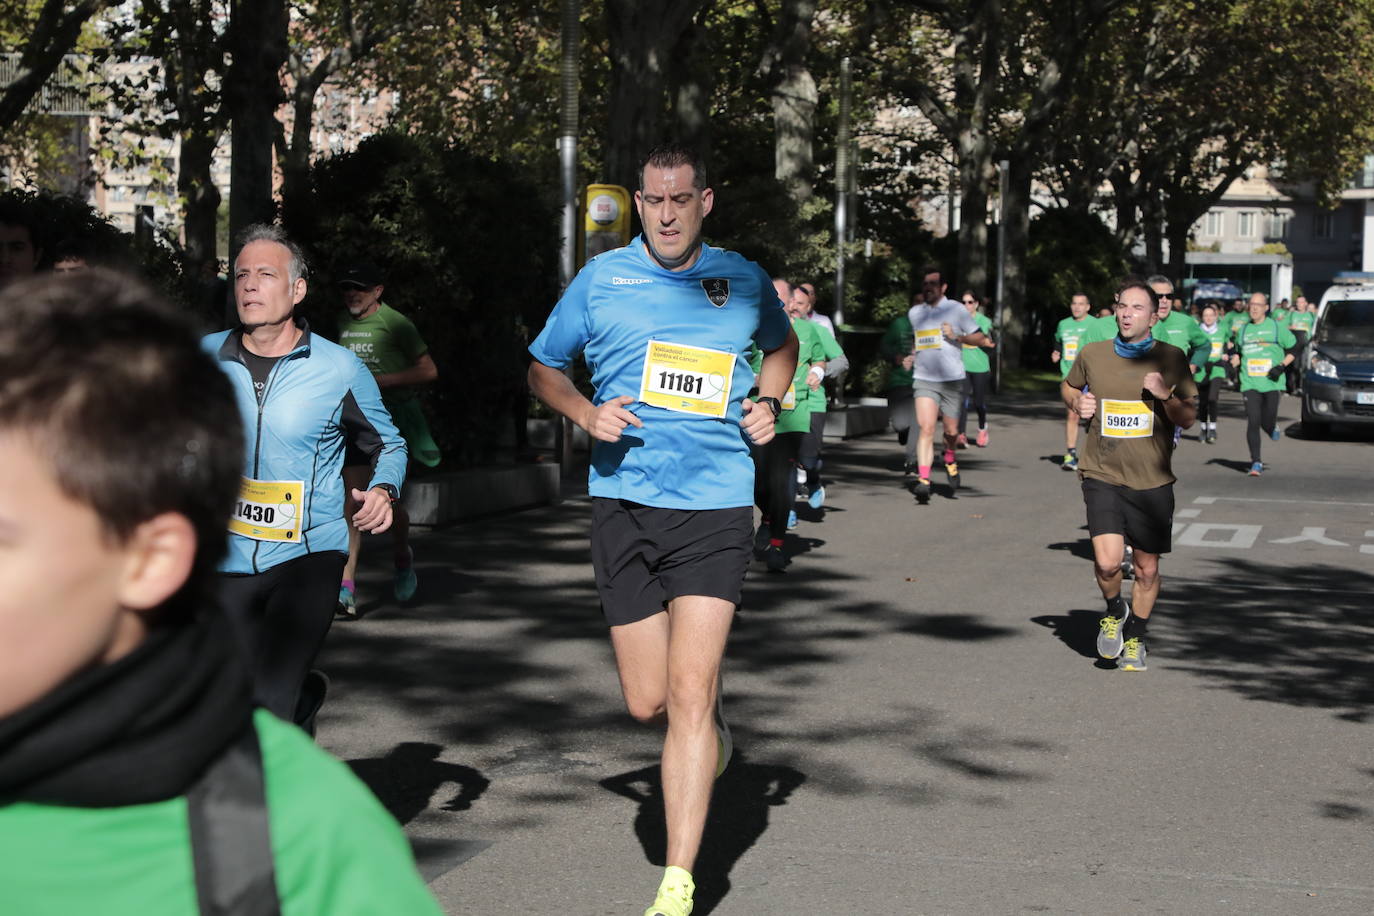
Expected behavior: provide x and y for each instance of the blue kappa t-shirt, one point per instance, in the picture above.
(611, 311)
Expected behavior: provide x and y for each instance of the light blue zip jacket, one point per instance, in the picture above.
(318, 397)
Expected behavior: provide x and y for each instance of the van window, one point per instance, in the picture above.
(1349, 322)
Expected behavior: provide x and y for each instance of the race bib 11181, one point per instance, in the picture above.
(687, 379)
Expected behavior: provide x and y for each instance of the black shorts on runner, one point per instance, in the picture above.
(645, 557)
(1144, 517)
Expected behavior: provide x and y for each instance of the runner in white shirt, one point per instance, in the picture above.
(941, 327)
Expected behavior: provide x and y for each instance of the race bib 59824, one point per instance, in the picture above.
(1127, 419)
(269, 510)
(687, 379)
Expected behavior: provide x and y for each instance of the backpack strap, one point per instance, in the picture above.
(231, 844)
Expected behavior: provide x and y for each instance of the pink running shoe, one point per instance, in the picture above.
(982, 440)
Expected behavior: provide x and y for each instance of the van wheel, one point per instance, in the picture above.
(1313, 428)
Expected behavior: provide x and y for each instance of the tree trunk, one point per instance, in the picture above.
(641, 35)
(691, 90)
(1013, 307)
(794, 99)
(194, 53)
(196, 185)
(794, 114)
(1152, 224)
(258, 46)
(1179, 227)
(975, 180)
(295, 158)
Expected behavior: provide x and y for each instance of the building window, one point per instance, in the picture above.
(1278, 225)
(1323, 225)
(1213, 224)
(1245, 224)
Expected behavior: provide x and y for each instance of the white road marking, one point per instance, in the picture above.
(1315, 535)
(1209, 500)
(1236, 537)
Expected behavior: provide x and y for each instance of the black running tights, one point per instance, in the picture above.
(975, 396)
(1208, 396)
(775, 479)
(282, 616)
(1261, 413)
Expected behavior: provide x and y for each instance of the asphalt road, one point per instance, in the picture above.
(921, 723)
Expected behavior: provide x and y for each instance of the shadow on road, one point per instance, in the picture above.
(1077, 630)
(408, 776)
(1081, 548)
(738, 817)
(1297, 635)
(1231, 464)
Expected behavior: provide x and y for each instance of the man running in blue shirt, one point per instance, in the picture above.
(665, 325)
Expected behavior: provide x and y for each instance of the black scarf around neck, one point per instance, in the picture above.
(136, 731)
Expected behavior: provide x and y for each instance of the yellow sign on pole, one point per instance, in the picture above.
(606, 220)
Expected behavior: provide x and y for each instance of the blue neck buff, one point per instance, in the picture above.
(1132, 350)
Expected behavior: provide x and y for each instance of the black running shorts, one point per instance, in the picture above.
(1144, 517)
(645, 557)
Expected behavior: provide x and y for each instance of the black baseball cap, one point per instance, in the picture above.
(362, 275)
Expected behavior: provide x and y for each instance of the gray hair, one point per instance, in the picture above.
(1160, 278)
(262, 232)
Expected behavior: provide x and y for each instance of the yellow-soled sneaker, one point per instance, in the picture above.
(1132, 655)
(674, 894)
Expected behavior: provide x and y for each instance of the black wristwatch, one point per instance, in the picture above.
(773, 404)
(390, 489)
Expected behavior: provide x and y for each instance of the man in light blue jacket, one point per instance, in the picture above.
(302, 400)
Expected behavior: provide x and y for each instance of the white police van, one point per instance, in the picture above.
(1338, 377)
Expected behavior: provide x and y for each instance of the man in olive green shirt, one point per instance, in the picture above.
(1134, 391)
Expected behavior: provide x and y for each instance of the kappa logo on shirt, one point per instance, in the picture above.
(717, 290)
(629, 281)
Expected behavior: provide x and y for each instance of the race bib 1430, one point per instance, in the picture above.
(269, 510)
(1127, 419)
(694, 380)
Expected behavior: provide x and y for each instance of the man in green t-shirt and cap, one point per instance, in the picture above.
(392, 349)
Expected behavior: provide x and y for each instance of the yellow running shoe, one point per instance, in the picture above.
(674, 894)
(1132, 655)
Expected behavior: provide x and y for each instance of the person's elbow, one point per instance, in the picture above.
(539, 377)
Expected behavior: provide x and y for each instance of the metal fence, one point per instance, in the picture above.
(64, 93)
